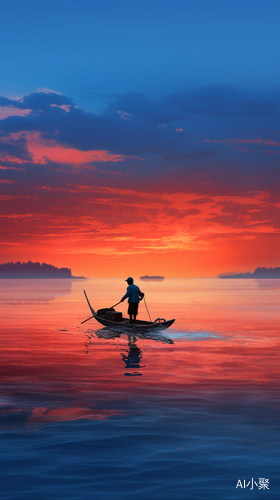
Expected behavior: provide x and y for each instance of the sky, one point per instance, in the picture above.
(140, 137)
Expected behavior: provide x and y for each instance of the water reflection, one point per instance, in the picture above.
(108, 333)
(132, 355)
(20, 292)
(138, 417)
(271, 284)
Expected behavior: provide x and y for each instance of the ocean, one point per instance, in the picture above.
(191, 412)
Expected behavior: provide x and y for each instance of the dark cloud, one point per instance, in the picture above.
(151, 175)
(37, 101)
(121, 132)
(142, 108)
(174, 128)
(15, 149)
(225, 101)
(4, 101)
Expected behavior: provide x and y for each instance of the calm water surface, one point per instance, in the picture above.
(91, 413)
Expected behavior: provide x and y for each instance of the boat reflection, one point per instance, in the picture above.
(109, 333)
(133, 355)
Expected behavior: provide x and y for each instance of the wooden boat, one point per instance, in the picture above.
(124, 323)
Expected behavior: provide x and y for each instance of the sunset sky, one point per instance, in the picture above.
(140, 137)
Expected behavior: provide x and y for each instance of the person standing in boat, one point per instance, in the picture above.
(134, 296)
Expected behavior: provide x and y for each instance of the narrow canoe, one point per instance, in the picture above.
(159, 323)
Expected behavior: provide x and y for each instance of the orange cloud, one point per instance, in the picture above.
(84, 224)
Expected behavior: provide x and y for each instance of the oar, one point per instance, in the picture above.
(87, 320)
(93, 316)
(115, 304)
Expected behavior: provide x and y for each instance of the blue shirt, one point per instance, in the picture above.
(133, 293)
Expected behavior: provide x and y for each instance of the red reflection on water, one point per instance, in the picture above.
(63, 414)
(42, 414)
(227, 337)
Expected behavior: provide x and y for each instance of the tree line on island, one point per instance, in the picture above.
(29, 270)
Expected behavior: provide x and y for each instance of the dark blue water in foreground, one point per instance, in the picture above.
(180, 448)
(88, 413)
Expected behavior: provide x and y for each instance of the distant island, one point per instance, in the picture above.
(259, 273)
(155, 278)
(33, 270)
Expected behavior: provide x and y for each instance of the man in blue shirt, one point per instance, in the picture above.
(133, 293)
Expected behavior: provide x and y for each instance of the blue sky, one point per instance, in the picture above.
(91, 50)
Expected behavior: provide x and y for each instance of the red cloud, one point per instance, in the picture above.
(44, 150)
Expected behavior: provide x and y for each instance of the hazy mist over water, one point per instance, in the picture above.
(88, 412)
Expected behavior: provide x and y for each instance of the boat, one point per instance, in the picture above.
(159, 323)
(151, 278)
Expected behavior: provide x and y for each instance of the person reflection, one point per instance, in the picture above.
(133, 356)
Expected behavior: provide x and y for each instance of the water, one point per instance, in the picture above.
(91, 413)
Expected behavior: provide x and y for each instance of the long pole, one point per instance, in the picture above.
(87, 320)
(147, 309)
(115, 304)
